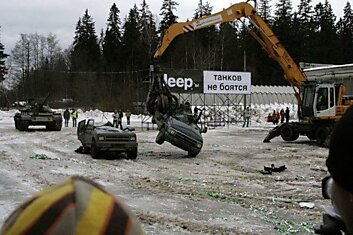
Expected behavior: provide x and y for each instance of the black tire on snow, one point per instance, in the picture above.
(94, 150)
(160, 136)
(288, 133)
(193, 154)
(321, 134)
(132, 154)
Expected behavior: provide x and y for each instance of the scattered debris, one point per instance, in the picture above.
(308, 205)
(268, 170)
(43, 157)
(82, 150)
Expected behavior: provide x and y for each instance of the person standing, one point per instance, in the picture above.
(281, 113)
(115, 118)
(74, 116)
(120, 119)
(246, 117)
(66, 117)
(287, 115)
(128, 115)
(274, 118)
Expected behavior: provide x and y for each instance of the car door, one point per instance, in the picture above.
(81, 129)
(89, 131)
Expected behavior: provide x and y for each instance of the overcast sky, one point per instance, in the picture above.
(60, 16)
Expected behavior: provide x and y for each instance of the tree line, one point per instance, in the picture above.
(111, 69)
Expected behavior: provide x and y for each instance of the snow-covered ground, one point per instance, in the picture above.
(221, 191)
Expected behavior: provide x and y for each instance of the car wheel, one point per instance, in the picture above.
(160, 136)
(132, 154)
(193, 154)
(94, 150)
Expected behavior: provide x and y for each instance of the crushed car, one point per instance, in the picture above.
(97, 139)
(182, 131)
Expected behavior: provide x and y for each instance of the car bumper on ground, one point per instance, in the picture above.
(116, 147)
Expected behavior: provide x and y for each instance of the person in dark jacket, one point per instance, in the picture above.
(120, 119)
(66, 117)
(287, 114)
(282, 113)
(115, 118)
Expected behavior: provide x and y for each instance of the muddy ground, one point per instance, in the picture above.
(221, 191)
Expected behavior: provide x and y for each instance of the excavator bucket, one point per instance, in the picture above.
(276, 131)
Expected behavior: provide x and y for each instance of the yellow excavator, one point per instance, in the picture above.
(320, 104)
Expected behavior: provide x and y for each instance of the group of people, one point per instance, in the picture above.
(118, 118)
(281, 116)
(73, 115)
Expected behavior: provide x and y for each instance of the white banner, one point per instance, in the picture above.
(211, 20)
(220, 82)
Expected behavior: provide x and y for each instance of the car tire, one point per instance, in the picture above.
(193, 154)
(160, 136)
(132, 154)
(94, 150)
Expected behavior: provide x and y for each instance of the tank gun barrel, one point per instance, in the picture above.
(44, 101)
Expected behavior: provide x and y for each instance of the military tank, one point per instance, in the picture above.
(34, 114)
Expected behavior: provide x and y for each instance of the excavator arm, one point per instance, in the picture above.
(262, 33)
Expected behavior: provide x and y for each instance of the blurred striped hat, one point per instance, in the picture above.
(77, 206)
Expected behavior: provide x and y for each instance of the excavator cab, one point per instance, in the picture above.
(319, 100)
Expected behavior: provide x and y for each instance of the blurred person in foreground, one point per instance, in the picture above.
(75, 206)
(338, 187)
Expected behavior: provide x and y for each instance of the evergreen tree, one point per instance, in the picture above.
(204, 47)
(167, 14)
(148, 29)
(132, 40)
(283, 23)
(202, 10)
(304, 27)
(86, 51)
(265, 10)
(230, 48)
(325, 34)
(3, 56)
(345, 33)
(112, 41)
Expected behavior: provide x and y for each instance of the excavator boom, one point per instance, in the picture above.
(264, 35)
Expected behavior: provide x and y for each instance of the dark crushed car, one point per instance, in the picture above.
(182, 131)
(106, 138)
